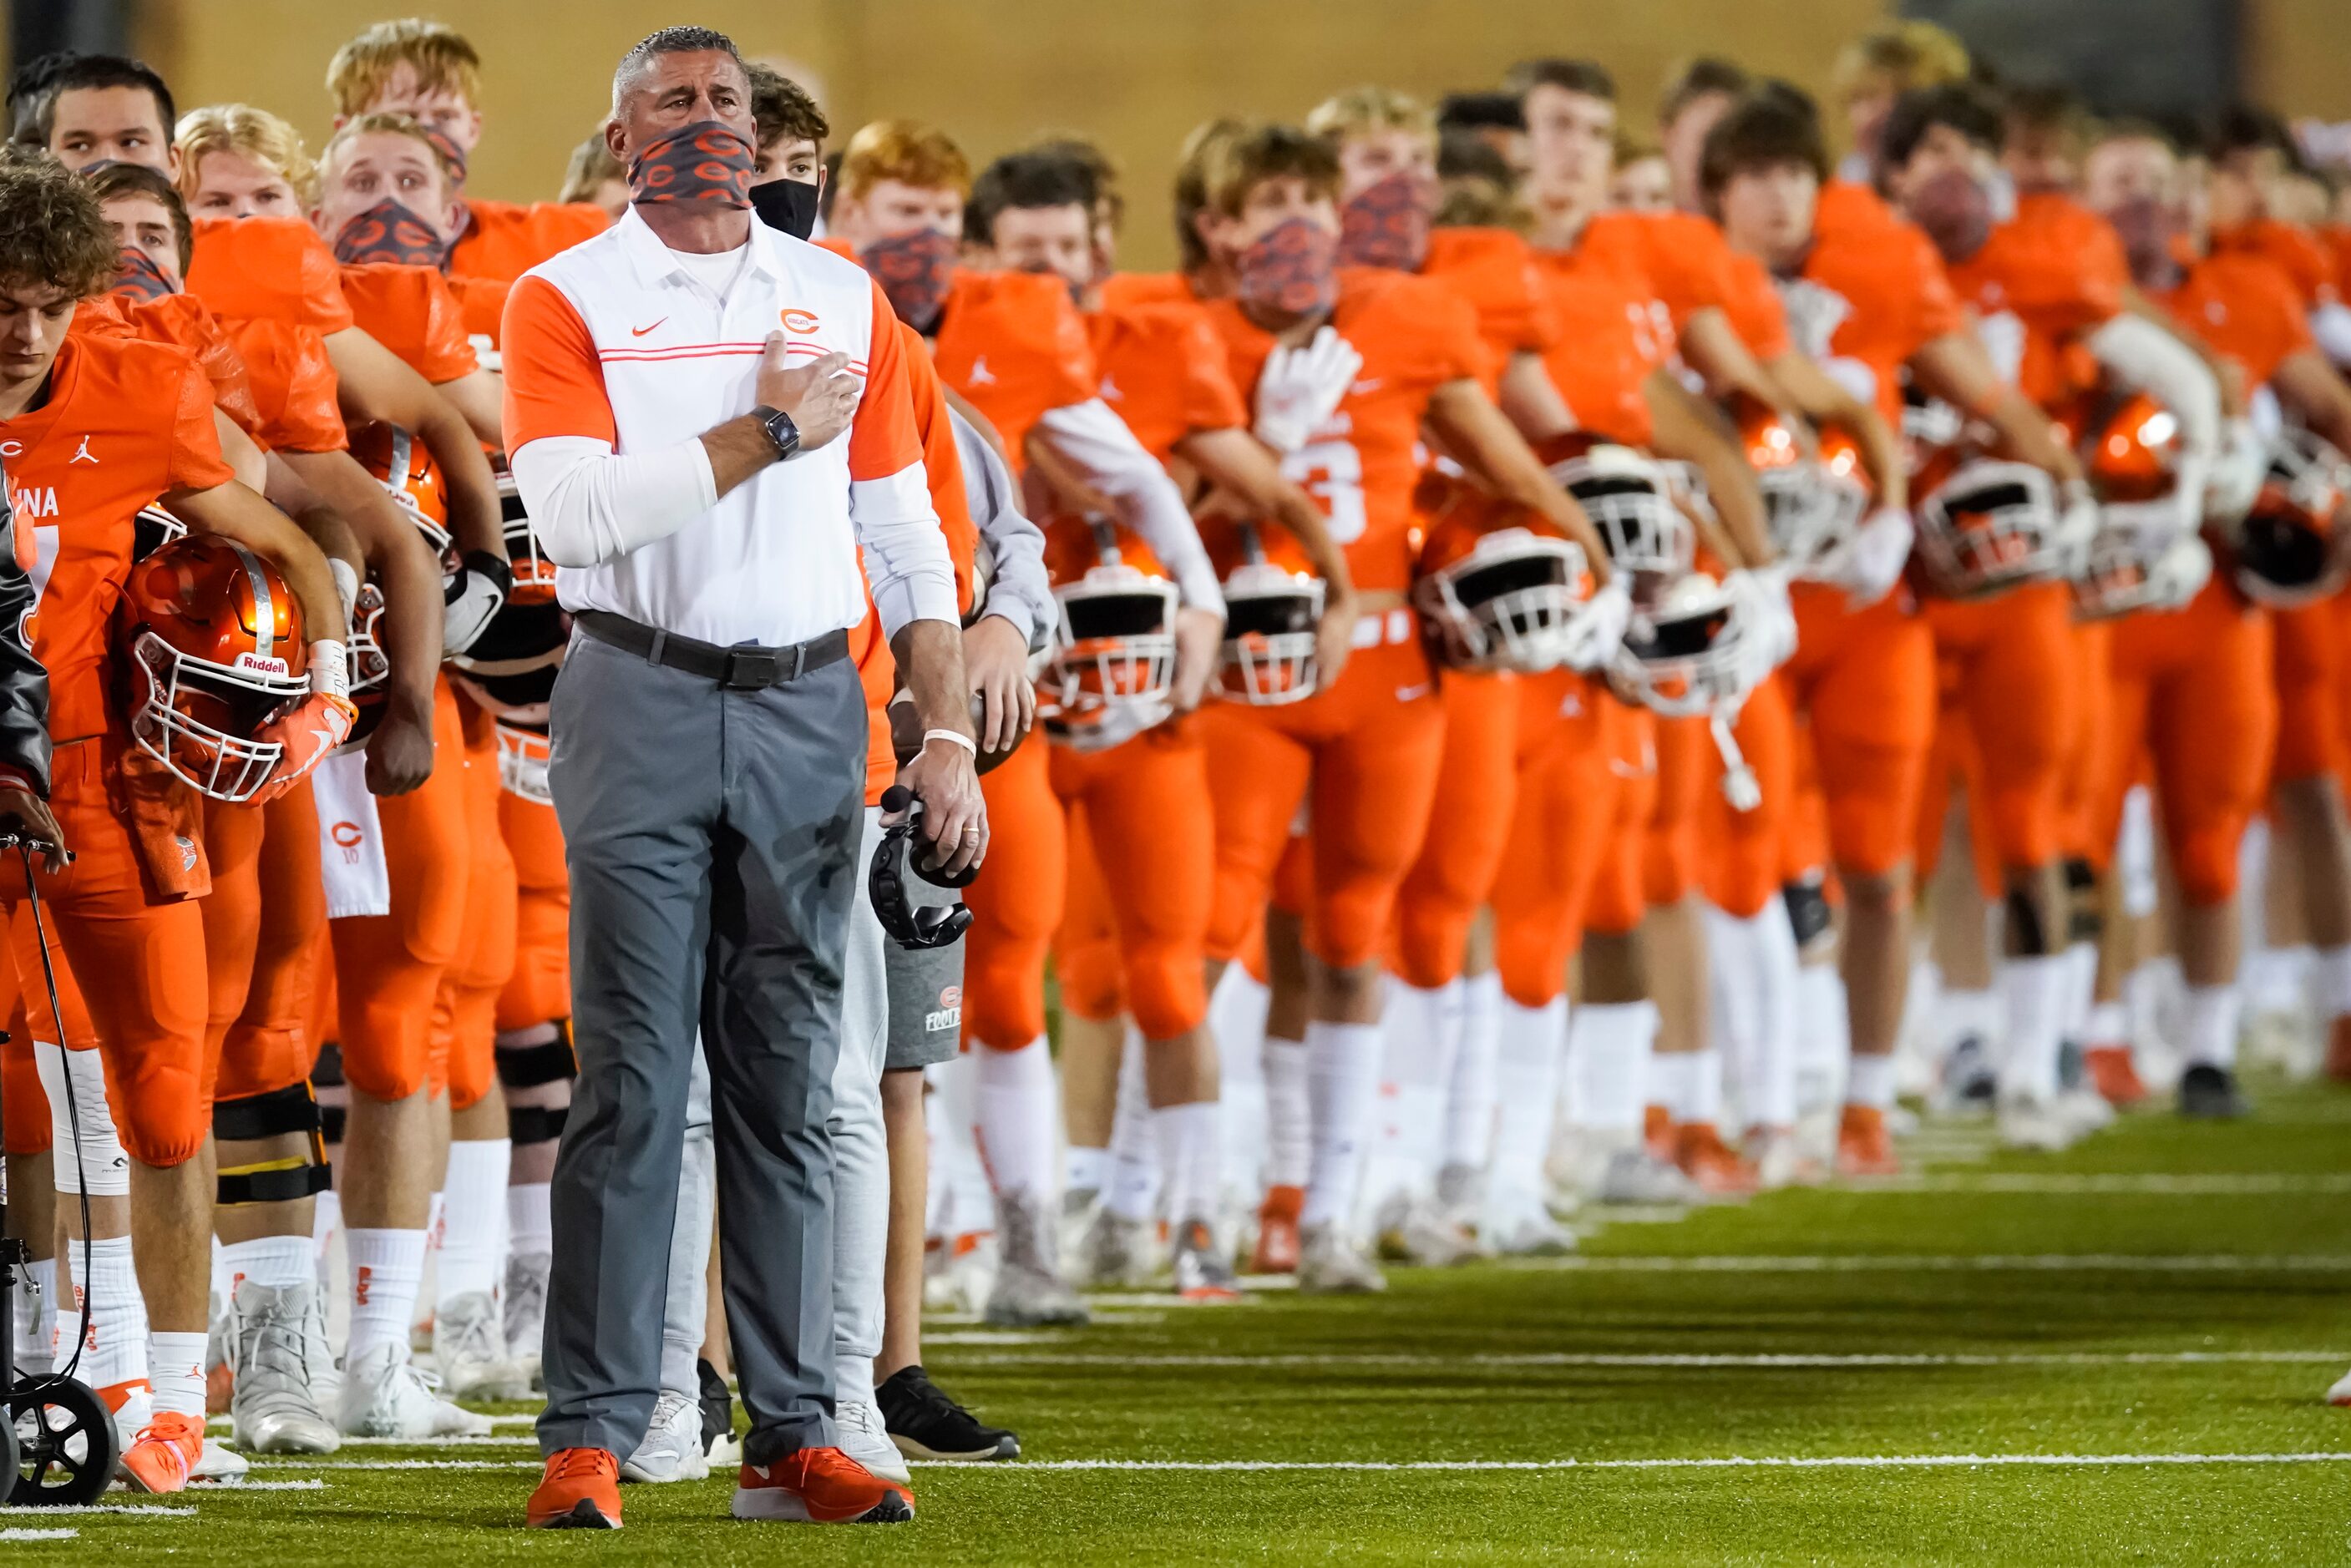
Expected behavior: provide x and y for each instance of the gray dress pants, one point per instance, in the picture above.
(711, 841)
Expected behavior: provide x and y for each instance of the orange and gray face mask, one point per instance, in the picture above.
(388, 231)
(1386, 223)
(1289, 270)
(915, 270)
(708, 162)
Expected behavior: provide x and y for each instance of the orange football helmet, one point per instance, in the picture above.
(1985, 523)
(1273, 602)
(2141, 557)
(1690, 652)
(2290, 548)
(1629, 497)
(217, 649)
(1501, 584)
(400, 462)
(534, 574)
(1109, 674)
(1799, 508)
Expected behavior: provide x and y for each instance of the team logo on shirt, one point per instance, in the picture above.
(801, 321)
(981, 376)
(34, 500)
(82, 455)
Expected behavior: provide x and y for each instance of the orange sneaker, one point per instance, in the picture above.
(2114, 1074)
(2338, 1049)
(1864, 1146)
(165, 1450)
(819, 1486)
(1277, 1231)
(1657, 1132)
(580, 1491)
(1711, 1163)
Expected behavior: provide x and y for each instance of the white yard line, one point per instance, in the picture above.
(1730, 1461)
(1761, 1360)
(24, 1511)
(1928, 1263)
(2152, 1184)
(312, 1484)
(38, 1534)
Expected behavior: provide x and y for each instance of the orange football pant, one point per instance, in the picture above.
(1570, 800)
(268, 904)
(1086, 951)
(1015, 903)
(2310, 691)
(1468, 829)
(1745, 852)
(465, 1008)
(1864, 681)
(2010, 665)
(539, 990)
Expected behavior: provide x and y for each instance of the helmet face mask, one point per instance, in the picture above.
(218, 653)
(534, 574)
(523, 755)
(1991, 524)
(2289, 547)
(1687, 656)
(1512, 602)
(1109, 673)
(1630, 502)
(1271, 616)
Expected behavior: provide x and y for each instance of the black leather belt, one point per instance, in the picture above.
(743, 668)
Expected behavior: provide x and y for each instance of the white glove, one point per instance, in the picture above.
(473, 597)
(2077, 528)
(1599, 631)
(1770, 619)
(1301, 387)
(1871, 562)
(2180, 573)
(2235, 481)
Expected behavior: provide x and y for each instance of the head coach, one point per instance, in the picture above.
(706, 419)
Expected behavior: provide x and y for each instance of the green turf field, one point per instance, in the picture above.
(2115, 1355)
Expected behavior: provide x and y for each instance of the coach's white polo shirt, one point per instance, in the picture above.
(618, 356)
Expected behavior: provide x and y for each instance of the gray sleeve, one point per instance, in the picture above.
(1017, 588)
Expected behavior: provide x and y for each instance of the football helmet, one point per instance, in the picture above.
(369, 669)
(1273, 602)
(2289, 549)
(1109, 672)
(1629, 498)
(1805, 513)
(152, 529)
(217, 652)
(523, 752)
(1501, 587)
(534, 574)
(510, 669)
(2145, 554)
(1985, 523)
(402, 466)
(1691, 650)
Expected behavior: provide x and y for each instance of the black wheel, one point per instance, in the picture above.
(60, 1443)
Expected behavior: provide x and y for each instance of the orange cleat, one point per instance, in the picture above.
(580, 1491)
(1277, 1231)
(2338, 1049)
(1657, 1132)
(1711, 1163)
(1864, 1146)
(819, 1486)
(166, 1449)
(2114, 1074)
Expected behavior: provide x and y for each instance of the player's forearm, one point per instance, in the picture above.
(480, 397)
(1474, 431)
(1238, 461)
(1690, 432)
(233, 513)
(929, 655)
(477, 521)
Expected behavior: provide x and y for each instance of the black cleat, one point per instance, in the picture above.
(2208, 1093)
(926, 1423)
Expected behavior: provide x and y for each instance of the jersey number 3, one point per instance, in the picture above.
(1332, 473)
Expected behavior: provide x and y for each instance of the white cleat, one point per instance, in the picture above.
(864, 1438)
(217, 1465)
(2083, 1110)
(2030, 1122)
(1634, 1176)
(1780, 1160)
(2341, 1393)
(525, 1308)
(1415, 1230)
(1118, 1252)
(1030, 1292)
(384, 1397)
(1331, 1264)
(672, 1450)
(469, 1350)
(276, 1342)
(1519, 1226)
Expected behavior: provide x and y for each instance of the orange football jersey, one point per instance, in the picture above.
(180, 319)
(2244, 307)
(79, 468)
(1688, 263)
(1123, 289)
(274, 268)
(2301, 255)
(410, 310)
(294, 386)
(1866, 297)
(482, 301)
(1014, 346)
(1494, 270)
(1845, 205)
(1755, 310)
(1613, 333)
(1164, 372)
(504, 240)
(1361, 463)
(2045, 277)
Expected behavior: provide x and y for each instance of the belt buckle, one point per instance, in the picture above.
(751, 669)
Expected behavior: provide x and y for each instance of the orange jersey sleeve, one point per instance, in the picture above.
(1613, 334)
(410, 310)
(555, 381)
(293, 385)
(2246, 308)
(1013, 345)
(2045, 277)
(2301, 255)
(276, 269)
(482, 305)
(1162, 370)
(884, 437)
(504, 240)
(1685, 258)
(196, 462)
(1754, 309)
(1866, 299)
(1494, 270)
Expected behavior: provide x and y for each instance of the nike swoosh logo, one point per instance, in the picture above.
(641, 332)
(1411, 693)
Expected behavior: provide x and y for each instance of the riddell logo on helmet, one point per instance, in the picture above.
(261, 664)
(801, 321)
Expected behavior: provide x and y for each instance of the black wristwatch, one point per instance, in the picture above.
(780, 430)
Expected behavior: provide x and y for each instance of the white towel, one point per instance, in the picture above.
(350, 838)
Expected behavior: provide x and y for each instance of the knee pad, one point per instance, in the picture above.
(88, 1154)
(292, 1110)
(327, 1086)
(2028, 934)
(1808, 911)
(533, 1065)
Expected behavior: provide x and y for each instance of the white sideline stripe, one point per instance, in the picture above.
(2210, 1184)
(406, 1464)
(313, 1484)
(1873, 1263)
(462, 1442)
(23, 1511)
(1760, 1359)
(989, 1336)
(1729, 1462)
(65, 1534)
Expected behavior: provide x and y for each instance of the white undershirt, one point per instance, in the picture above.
(718, 270)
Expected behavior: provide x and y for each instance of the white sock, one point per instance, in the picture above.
(36, 1317)
(1134, 1160)
(1237, 1019)
(1343, 1084)
(1960, 1014)
(1705, 1087)
(1608, 1057)
(326, 1219)
(1085, 1169)
(1017, 1105)
(1289, 1120)
(275, 1262)
(2213, 1013)
(1823, 1035)
(2108, 1026)
(530, 1228)
(2281, 979)
(473, 1221)
(1420, 1033)
(1673, 1082)
(176, 1364)
(1869, 1081)
(1469, 1093)
(1191, 1151)
(2034, 992)
(2333, 981)
(2080, 989)
(116, 1351)
(387, 1267)
(1526, 1084)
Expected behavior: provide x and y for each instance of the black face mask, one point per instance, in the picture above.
(787, 204)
